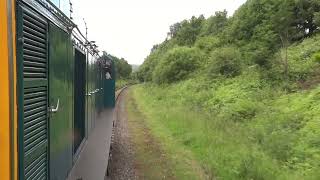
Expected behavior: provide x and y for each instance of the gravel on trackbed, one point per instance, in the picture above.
(121, 164)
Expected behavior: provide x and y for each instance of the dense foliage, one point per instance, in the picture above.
(177, 64)
(256, 75)
(258, 29)
(123, 69)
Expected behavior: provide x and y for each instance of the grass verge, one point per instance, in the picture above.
(239, 136)
(158, 155)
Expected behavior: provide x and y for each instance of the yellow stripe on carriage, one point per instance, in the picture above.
(5, 132)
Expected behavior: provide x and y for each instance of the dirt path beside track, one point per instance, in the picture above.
(135, 153)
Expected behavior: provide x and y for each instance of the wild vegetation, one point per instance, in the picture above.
(241, 92)
(157, 156)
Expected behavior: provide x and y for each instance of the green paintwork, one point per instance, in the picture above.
(32, 94)
(61, 87)
(109, 95)
(109, 90)
(20, 91)
(90, 121)
(99, 86)
(93, 94)
(87, 97)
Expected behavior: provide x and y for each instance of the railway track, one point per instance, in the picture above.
(117, 96)
(118, 92)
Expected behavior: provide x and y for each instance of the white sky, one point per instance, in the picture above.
(129, 28)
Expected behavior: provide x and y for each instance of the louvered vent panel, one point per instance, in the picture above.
(37, 169)
(35, 96)
(34, 47)
(35, 117)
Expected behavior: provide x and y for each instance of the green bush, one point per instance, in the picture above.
(303, 59)
(207, 43)
(146, 69)
(316, 57)
(225, 61)
(177, 64)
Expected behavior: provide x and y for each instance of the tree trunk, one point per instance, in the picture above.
(285, 44)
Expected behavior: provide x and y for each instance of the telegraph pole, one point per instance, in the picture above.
(71, 9)
(86, 29)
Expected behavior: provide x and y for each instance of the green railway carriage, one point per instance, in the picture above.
(55, 84)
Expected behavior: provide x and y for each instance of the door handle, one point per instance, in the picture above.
(94, 92)
(54, 110)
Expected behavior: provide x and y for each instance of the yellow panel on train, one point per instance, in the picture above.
(8, 122)
(4, 93)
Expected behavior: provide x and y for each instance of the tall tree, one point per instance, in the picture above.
(283, 21)
(174, 30)
(215, 24)
(189, 31)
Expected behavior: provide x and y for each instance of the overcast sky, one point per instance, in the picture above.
(129, 28)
